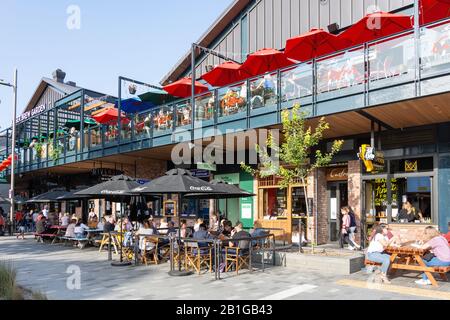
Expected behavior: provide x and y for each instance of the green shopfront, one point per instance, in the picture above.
(238, 209)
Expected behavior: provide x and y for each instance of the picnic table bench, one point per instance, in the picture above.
(83, 241)
(40, 236)
(411, 258)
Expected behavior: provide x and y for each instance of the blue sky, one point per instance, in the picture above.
(141, 39)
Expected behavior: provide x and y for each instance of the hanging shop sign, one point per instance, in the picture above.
(28, 114)
(372, 159)
(337, 174)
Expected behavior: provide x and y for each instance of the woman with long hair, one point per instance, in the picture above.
(376, 253)
(440, 250)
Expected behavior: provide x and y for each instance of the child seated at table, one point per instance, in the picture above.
(80, 230)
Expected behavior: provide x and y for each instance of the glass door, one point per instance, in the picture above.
(338, 198)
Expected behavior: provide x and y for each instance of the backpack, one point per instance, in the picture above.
(352, 220)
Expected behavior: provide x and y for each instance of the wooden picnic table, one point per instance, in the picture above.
(408, 257)
(60, 232)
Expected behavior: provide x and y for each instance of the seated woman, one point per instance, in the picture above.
(375, 252)
(80, 230)
(70, 231)
(93, 222)
(409, 213)
(145, 230)
(440, 252)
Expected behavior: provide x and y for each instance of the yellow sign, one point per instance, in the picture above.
(370, 158)
(410, 166)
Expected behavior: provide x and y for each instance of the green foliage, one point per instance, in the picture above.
(296, 152)
(38, 147)
(10, 290)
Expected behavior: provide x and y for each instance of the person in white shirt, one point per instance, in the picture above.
(45, 212)
(145, 230)
(70, 231)
(65, 220)
(80, 229)
(376, 253)
(163, 226)
(197, 224)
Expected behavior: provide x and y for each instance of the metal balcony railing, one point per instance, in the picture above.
(377, 72)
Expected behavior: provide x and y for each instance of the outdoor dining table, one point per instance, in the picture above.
(60, 231)
(409, 257)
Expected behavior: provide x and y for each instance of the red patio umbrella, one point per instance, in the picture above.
(433, 10)
(7, 162)
(376, 25)
(265, 60)
(314, 43)
(110, 116)
(183, 88)
(225, 73)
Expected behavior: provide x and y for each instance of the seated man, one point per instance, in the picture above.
(239, 233)
(202, 234)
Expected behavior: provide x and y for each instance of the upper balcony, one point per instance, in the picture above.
(396, 68)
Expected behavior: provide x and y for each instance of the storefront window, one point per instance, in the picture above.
(298, 202)
(376, 201)
(411, 165)
(412, 200)
(274, 203)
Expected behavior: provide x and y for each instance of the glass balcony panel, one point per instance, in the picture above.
(341, 75)
(391, 62)
(204, 109)
(95, 137)
(435, 50)
(233, 102)
(163, 120)
(184, 114)
(263, 94)
(126, 127)
(296, 86)
(142, 125)
(110, 133)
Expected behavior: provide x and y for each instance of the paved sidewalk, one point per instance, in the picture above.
(50, 269)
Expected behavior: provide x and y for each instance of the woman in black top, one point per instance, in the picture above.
(409, 213)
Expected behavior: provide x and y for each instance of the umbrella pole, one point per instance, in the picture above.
(122, 238)
(179, 272)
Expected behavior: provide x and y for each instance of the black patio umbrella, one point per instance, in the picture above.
(48, 197)
(181, 182)
(224, 191)
(71, 195)
(227, 191)
(117, 189)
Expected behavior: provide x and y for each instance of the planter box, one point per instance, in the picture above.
(339, 263)
(344, 264)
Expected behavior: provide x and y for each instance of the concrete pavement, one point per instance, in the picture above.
(70, 273)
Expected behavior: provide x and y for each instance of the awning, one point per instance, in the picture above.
(134, 105)
(47, 197)
(315, 43)
(110, 116)
(157, 97)
(183, 88)
(433, 10)
(265, 60)
(376, 25)
(225, 74)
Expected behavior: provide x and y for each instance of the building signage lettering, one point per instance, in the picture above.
(28, 114)
(337, 174)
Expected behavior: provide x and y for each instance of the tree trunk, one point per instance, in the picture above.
(305, 188)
